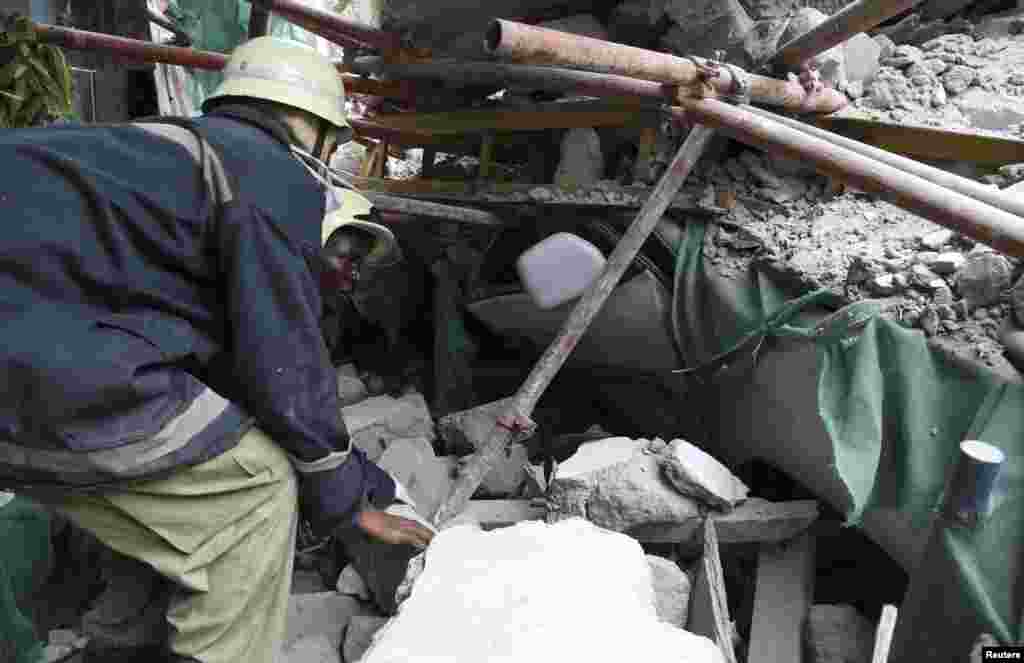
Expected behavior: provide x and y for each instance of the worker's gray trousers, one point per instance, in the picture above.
(223, 533)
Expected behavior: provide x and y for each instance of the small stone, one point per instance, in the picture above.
(960, 307)
(838, 634)
(922, 276)
(862, 54)
(980, 314)
(926, 257)
(929, 322)
(582, 161)
(1014, 172)
(861, 269)
(884, 285)
(375, 422)
(947, 263)
(945, 312)
(943, 294)
(987, 47)
(958, 79)
(949, 326)
(351, 389)
(939, 96)
(935, 240)
(855, 89)
(887, 45)
(671, 590)
(882, 95)
(936, 65)
(983, 278)
(1017, 301)
(903, 57)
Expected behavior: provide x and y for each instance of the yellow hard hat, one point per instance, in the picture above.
(285, 72)
(350, 205)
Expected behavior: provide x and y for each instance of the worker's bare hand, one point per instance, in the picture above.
(396, 530)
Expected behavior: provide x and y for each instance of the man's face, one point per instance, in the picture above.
(345, 252)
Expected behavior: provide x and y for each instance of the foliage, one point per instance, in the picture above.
(35, 79)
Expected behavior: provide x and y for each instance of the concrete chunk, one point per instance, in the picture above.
(413, 463)
(359, 635)
(312, 649)
(671, 590)
(375, 422)
(314, 615)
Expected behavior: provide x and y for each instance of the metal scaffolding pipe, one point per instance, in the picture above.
(855, 17)
(332, 26)
(133, 49)
(973, 218)
(534, 45)
(551, 79)
(976, 190)
(467, 215)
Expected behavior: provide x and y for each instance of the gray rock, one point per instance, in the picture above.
(508, 475)
(831, 64)
(760, 10)
(359, 634)
(951, 43)
(945, 312)
(620, 496)
(314, 615)
(947, 263)
(904, 56)
(885, 285)
(582, 162)
(1017, 302)
(936, 65)
(888, 93)
(887, 46)
(312, 649)
(929, 322)
(854, 89)
(578, 24)
(413, 463)
(351, 389)
(942, 294)
(838, 634)
(936, 239)
(990, 110)
(788, 189)
(922, 277)
(982, 279)
(918, 70)
(939, 97)
(375, 422)
(702, 27)
(958, 79)
(862, 269)
(671, 590)
(1013, 172)
(861, 55)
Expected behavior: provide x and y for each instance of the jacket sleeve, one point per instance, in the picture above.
(280, 366)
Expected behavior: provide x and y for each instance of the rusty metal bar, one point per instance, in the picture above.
(575, 326)
(132, 49)
(552, 79)
(534, 45)
(466, 215)
(855, 17)
(986, 194)
(331, 26)
(973, 218)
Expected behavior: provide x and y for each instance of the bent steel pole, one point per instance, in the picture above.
(575, 326)
(854, 18)
(976, 190)
(980, 221)
(534, 45)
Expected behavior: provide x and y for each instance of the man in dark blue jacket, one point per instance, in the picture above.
(162, 371)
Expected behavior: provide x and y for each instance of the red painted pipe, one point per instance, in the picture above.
(133, 49)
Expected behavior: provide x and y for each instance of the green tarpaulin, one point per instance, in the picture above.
(24, 564)
(895, 411)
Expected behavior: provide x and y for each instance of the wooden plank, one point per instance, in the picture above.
(929, 142)
(754, 521)
(470, 192)
(783, 595)
(502, 513)
(566, 115)
(883, 636)
(709, 606)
